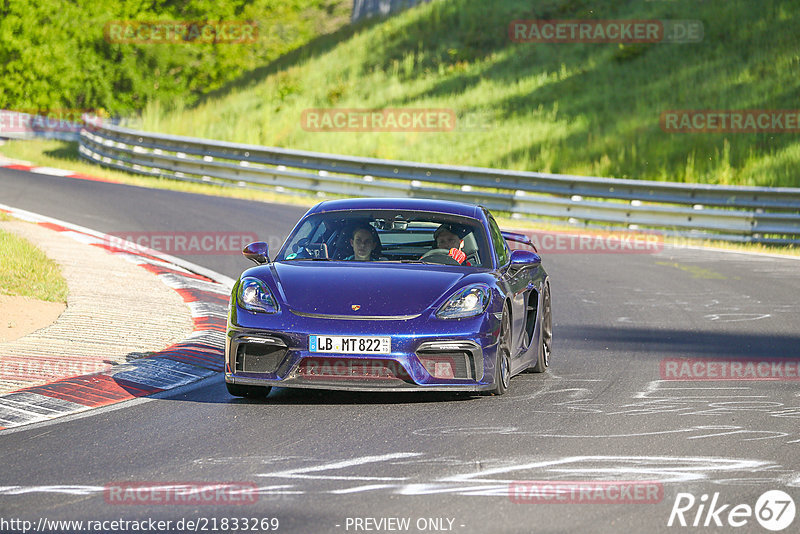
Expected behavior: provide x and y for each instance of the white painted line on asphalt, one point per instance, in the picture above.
(52, 171)
(87, 490)
(69, 490)
(359, 489)
(433, 488)
(299, 472)
(506, 469)
(348, 478)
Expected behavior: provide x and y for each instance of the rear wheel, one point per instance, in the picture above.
(502, 364)
(239, 390)
(546, 343)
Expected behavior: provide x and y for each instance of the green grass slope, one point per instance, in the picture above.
(55, 55)
(588, 109)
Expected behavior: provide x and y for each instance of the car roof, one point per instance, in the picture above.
(412, 204)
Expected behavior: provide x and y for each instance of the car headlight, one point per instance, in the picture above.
(255, 296)
(466, 302)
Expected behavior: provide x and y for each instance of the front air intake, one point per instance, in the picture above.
(461, 360)
(259, 355)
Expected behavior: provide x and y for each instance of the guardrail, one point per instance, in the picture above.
(751, 214)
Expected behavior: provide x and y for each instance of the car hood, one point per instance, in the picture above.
(378, 289)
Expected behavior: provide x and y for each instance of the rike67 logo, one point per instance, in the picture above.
(774, 510)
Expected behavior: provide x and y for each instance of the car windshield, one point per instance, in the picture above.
(381, 236)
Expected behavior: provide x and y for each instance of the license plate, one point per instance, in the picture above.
(350, 344)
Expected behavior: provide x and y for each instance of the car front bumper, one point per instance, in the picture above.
(426, 353)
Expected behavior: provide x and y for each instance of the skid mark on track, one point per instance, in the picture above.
(312, 471)
(492, 476)
(413, 474)
(418, 475)
(712, 302)
(696, 432)
(736, 317)
(760, 416)
(694, 270)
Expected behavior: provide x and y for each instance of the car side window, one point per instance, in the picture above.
(498, 242)
(312, 232)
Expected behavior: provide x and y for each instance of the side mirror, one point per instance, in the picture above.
(257, 252)
(524, 258)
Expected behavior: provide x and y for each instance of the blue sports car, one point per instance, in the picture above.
(389, 295)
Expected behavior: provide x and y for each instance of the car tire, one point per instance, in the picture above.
(546, 336)
(502, 366)
(239, 390)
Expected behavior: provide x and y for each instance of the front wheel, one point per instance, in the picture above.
(502, 364)
(239, 390)
(546, 343)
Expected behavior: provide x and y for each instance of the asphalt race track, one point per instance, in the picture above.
(325, 459)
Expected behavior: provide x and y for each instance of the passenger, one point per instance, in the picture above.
(365, 244)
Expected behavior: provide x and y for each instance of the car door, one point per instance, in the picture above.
(516, 285)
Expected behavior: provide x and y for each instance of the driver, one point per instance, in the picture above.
(449, 237)
(446, 237)
(364, 241)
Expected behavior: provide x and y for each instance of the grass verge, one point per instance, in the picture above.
(574, 108)
(27, 272)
